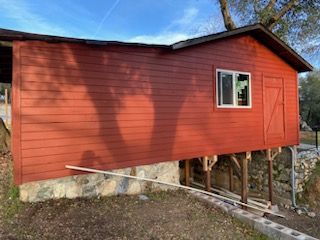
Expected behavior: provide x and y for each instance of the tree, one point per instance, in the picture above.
(310, 98)
(296, 22)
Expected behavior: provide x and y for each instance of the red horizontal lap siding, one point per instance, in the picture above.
(116, 106)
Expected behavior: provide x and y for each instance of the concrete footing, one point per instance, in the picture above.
(261, 224)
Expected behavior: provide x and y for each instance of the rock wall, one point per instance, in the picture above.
(258, 173)
(90, 185)
(304, 167)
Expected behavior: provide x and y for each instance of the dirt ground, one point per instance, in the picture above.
(172, 215)
(302, 223)
(164, 215)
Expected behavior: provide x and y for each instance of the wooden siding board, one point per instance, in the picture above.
(126, 107)
(16, 117)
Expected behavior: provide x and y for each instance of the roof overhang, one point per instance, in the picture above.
(257, 31)
(263, 35)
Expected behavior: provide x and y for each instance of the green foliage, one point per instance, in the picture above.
(10, 203)
(157, 196)
(299, 26)
(13, 193)
(310, 98)
(12, 207)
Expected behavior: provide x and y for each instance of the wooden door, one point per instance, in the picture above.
(274, 115)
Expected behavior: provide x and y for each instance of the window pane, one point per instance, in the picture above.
(227, 88)
(242, 89)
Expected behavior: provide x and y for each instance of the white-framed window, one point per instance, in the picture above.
(233, 89)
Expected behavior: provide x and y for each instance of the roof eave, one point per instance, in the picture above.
(301, 65)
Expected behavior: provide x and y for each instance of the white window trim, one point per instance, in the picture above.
(233, 89)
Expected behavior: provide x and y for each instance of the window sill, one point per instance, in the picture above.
(233, 109)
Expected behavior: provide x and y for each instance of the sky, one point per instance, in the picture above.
(162, 21)
(147, 21)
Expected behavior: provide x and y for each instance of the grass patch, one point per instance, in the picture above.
(10, 204)
(156, 196)
(309, 137)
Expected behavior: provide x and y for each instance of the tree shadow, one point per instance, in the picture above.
(131, 104)
(128, 105)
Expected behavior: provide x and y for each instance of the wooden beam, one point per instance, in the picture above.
(208, 180)
(187, 172)
(205, 163)
(244, 177)
(212, 161)
(230, 178)
(248, 156)
(270, 168)
(235, 160)
(271, 155)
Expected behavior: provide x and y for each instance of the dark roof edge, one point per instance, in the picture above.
(242, 30)
(286, 46)
(214, 36)
(11, 35)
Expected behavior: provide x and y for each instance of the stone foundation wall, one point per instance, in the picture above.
(305, 166)
(90, 185)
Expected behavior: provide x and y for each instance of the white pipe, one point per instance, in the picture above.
(173, 185)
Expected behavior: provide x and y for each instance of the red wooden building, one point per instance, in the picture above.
(111, 105)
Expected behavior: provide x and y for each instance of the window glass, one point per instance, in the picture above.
(242, 89)
(233, 89)
(227, 88)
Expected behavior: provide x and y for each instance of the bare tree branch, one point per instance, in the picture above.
(286, 8)
(270, 5)
(255, 7)
(228, 22)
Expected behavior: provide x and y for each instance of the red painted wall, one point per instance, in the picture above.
(112, 107)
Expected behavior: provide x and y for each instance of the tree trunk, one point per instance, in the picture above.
(275, 18)
(228, 22)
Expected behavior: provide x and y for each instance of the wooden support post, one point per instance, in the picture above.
(208, 180)
(244, 179)
(187, 172)
(230, 178)
(207, 165)
(270, 168)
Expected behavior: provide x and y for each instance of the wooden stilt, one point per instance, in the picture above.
(230, 178)
(207, 165)
(271, 155)
(187, 172)
(270, 168)
(208, 180)
(244, 180)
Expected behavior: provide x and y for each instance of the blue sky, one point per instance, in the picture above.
(164, 21)
(149, 21)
